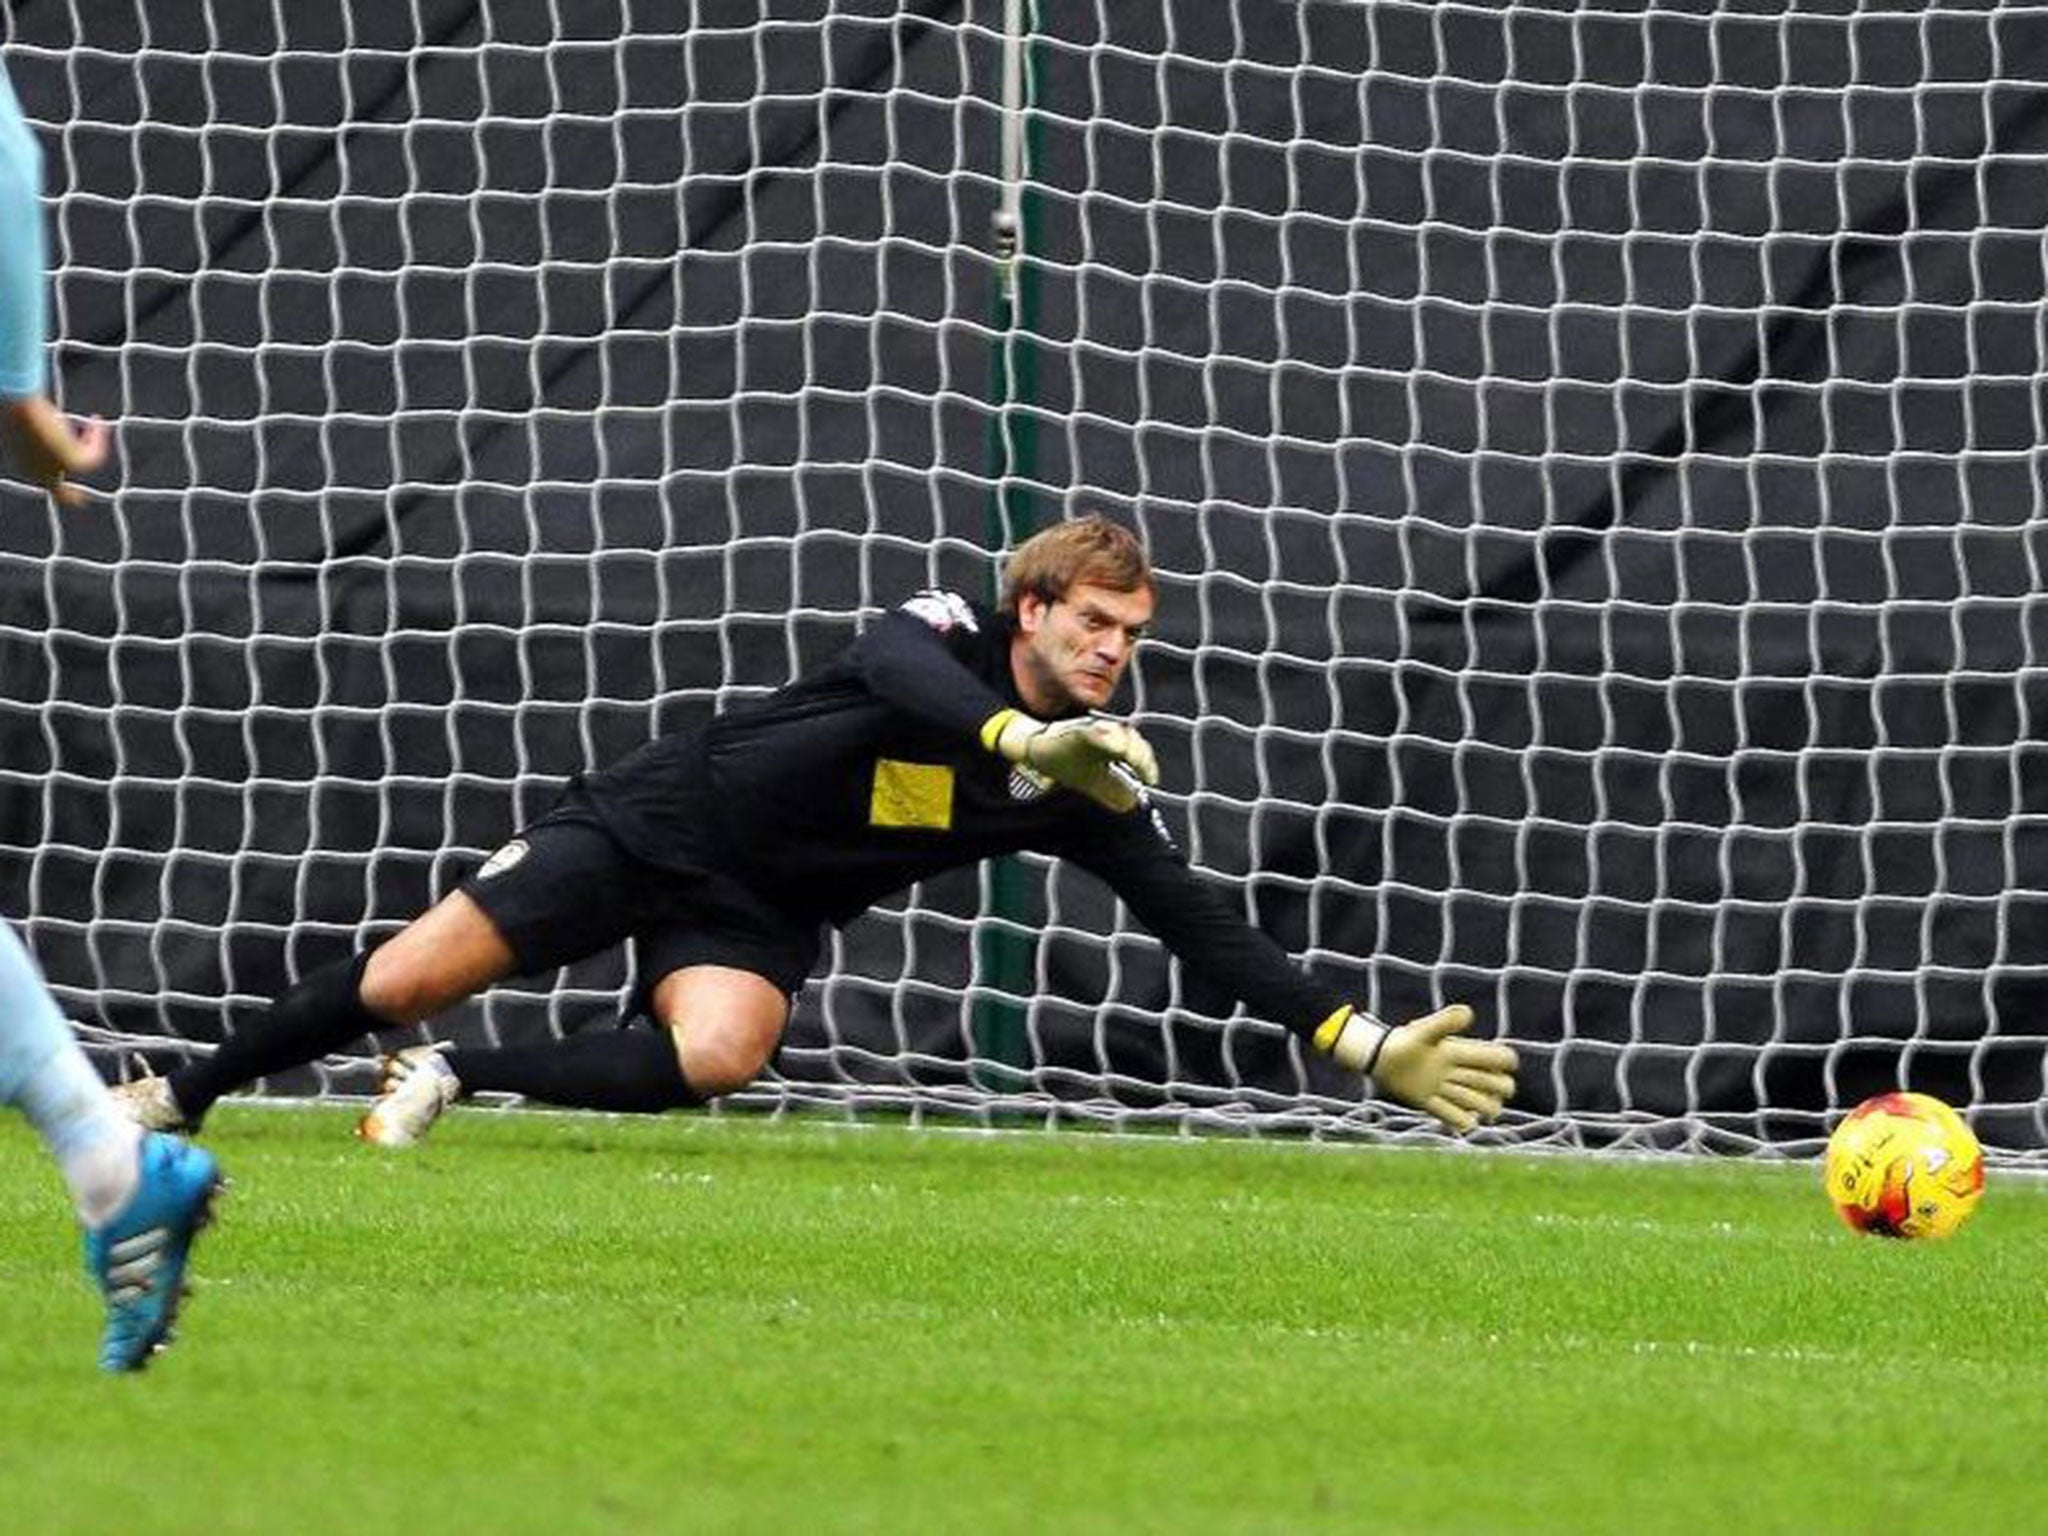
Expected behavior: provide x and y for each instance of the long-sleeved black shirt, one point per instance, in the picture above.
(868, 775)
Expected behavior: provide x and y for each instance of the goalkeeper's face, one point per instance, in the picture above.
(1072, 652)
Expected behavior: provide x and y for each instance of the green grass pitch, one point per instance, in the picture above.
(550, 1324)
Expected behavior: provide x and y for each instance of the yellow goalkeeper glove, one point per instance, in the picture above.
(1424, 1064)
(1105, 760)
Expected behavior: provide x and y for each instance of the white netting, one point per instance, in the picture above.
(1591, 457)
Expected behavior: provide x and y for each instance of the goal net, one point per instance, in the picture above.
(1592, 459)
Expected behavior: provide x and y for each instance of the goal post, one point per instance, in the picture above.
(1592, 460)
(1006, 957)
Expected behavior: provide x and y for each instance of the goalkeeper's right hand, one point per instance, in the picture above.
(1102, 759)
(1424, 1064)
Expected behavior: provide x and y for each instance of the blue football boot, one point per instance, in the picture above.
(137, 1259)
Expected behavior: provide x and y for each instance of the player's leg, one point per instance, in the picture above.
(560, 890)
(719, 1025)
(45, 1075)
(625, 1071)
(449, 953)
(723, 984)
(141, 1199)
(725, 1023)
(724, 964)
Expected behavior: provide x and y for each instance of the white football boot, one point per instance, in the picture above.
(149, 1102)
(417, 1085)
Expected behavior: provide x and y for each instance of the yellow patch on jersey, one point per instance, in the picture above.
(911, 795)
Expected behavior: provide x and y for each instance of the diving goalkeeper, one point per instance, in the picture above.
(943, 735)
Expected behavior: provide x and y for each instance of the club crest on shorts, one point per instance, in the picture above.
(503, 859)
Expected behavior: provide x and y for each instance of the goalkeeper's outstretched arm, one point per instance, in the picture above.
(1426, 1064)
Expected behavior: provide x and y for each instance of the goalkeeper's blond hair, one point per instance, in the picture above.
(1091, 550)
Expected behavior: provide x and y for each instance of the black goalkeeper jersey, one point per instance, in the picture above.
(868, 775)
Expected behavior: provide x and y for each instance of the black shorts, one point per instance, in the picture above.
(563, 889)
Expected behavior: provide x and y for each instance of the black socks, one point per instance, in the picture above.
(629, 1070)
(632, 1070)
(322, 1013)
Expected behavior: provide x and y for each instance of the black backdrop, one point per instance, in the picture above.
(1592, 463)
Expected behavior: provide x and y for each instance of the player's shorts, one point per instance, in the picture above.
(563, 889)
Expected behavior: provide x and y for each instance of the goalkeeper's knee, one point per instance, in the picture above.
(717, 1057)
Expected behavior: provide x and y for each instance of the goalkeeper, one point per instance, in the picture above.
(943, 735)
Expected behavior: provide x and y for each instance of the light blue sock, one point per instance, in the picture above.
(46, 1076)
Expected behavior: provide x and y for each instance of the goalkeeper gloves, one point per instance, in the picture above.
(1105, 760)
(1424, 1064)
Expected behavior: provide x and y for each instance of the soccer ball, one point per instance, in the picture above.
(1904, 1165)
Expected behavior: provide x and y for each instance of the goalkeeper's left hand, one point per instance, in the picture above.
(1424, 1064)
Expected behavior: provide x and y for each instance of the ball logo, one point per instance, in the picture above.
(503, 859)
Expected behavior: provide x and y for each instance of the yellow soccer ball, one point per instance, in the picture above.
(1904, 1165)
